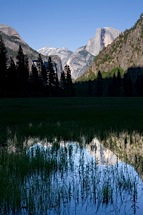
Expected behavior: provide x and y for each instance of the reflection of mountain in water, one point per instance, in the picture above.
(124, 146)
(69, 177)
(128, 147)
(103, 155)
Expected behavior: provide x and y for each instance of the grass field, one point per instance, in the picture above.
(65, 116)
(25, 179)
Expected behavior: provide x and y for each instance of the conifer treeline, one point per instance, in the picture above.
(128, 85)
(16, 80)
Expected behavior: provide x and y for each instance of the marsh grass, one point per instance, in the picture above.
(68, 118)
(49, 181)
(56, 177)
(17, 167)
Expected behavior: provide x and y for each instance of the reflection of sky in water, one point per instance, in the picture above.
(93, 182)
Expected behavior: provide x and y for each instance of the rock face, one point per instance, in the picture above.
(80, 60)
(57, 64)
(11, 32)
(12, 41)
(63, 53)
(125, 52)
(102, 38)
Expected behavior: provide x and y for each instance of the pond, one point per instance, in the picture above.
(100, 176)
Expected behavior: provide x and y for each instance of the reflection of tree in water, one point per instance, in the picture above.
(128, 147)
(65, 178)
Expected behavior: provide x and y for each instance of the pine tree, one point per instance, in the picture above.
(22, 70)
(26, 68)
(128, 86)
(114, 85)
(12, 78)
(69, 84)
(56, 84)
(99, 84)
(3, 64)
(40, 66)
(34, 80)
(52, 79)
(118, 84)
(139, 84)
(62, 81)
(34, 72)
(50, 74)
(89, 86)
(44, 75)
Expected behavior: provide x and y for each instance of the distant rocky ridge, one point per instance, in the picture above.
(12, 40)
(125, 51)
(80, 60)
(63, 53)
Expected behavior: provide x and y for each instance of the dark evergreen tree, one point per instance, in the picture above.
(34, 73)
(12, 78)
(114, 86)
(110, 87)
(127, 85)
(26, 68)
(63, 81)
(56, 91)
(40, 66)
(118, 84)
(22, 71)
(51, 78)
(139, 84)
(35, 83)
(3, 64)
(99, 85)
(44, 75)
(89, 88)
(62, 84)
(69, 84)
(20, 63)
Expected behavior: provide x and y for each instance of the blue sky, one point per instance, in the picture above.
(67, 23)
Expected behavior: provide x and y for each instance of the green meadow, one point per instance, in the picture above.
(69, 118)
(98, 113)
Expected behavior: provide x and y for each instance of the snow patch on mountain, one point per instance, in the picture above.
(63, 53)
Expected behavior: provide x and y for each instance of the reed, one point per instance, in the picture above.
(60, 177)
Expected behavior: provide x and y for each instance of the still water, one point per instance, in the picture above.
(69, 177)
